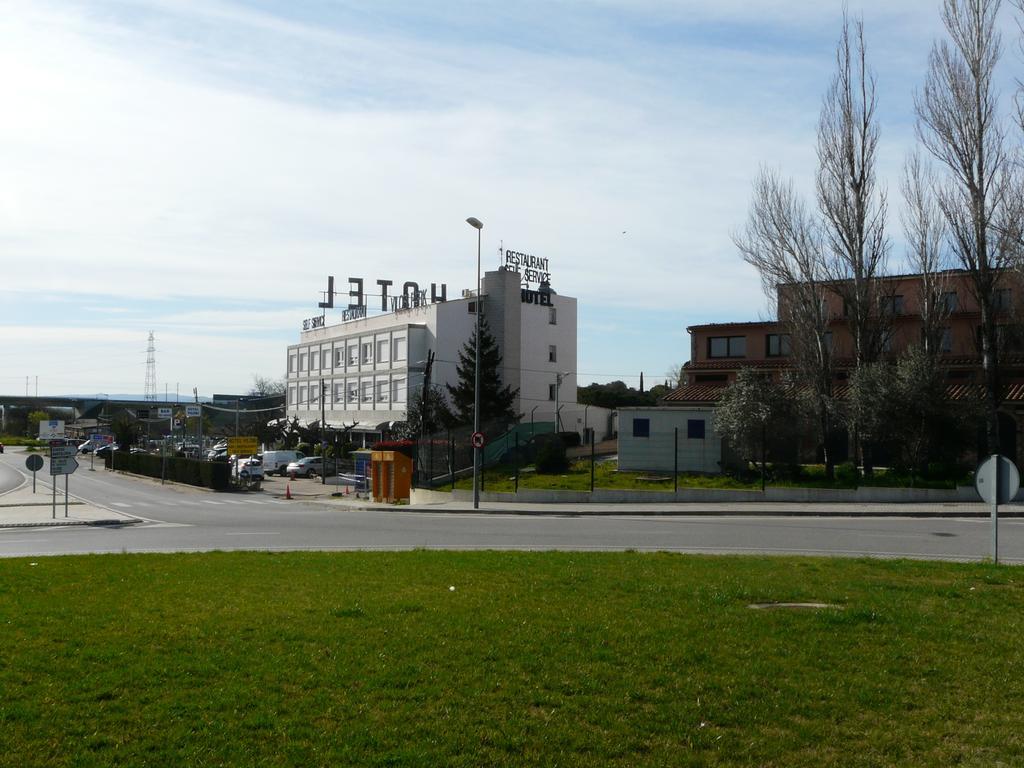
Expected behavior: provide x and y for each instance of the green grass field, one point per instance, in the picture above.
(567, 659)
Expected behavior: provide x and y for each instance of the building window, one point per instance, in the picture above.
(471, 307)
(367, 352)
(948, 302)
(302, 397)
(552, 353)
(382, 392)
(946, 340)
(777, 344)
(641, 427)
(367, 391)
(326, 357)
(383, 350)
(887, 342)
(314, 394)
(292, 393)
(892, 305)
(711, 378)
(398, 390)
(552, 316)
(552, 388)
(353, 392)
(353, 354)
(727, 346)
(694, 429)
(339, 357)
(339, 393)
(1002, 300)
(291, 363)
(399, 348)
(827, 339)
(314, 361)
(302, 362)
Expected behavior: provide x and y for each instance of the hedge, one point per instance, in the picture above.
(206, 474)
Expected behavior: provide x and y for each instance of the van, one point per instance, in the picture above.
(278, 461)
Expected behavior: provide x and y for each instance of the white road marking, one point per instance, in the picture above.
(253, 533)
(120, 504)
(215, 503)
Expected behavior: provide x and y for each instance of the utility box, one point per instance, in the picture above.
(391, 476)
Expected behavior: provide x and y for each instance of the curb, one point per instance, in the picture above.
(69, 523)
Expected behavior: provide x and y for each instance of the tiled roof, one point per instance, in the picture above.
(710, 393)
(696, 393)
(736, 363)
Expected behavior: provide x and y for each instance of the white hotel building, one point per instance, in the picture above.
(371, 367)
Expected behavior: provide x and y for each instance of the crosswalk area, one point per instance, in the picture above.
(199, 503)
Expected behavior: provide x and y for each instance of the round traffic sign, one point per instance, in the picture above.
(34, 462)
(985, 480)
(478, 440)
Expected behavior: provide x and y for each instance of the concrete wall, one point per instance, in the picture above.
(858, 495)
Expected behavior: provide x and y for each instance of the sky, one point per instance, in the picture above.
(198, 169)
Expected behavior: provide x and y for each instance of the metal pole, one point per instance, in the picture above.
(236, 417)
(593, 456)
(995, 516)
(451, 460)
(65, 495)
(517, 461)
(323, 435)
(675, 461)
(476, 383)
(53, 501)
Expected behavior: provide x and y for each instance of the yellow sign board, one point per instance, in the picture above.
(243, 446)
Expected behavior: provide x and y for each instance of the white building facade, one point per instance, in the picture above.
(366, 370)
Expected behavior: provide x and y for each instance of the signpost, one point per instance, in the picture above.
(96, 441)
(478, 439)
(997, 482)
(62, 462)
(243, 446)
(51, 430)
(34, 463)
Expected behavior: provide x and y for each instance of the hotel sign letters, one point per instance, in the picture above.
(535, 270)
(411, 296)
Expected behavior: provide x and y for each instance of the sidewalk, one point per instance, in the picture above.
(21, 508)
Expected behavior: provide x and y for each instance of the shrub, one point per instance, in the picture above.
(847, 473)
(551, 458)
(570, 439)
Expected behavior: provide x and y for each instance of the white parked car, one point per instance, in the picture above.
(278, 461)
(250, 469)
(309, 466)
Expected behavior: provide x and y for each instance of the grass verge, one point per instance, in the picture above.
(533, 659)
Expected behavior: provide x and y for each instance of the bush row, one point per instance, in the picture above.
(207, 474)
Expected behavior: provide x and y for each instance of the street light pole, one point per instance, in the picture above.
(478, 226)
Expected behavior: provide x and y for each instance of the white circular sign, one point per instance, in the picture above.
(478, 440)
(985, 480)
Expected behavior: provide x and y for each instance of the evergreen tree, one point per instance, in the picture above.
(495, 399)
(427, 413)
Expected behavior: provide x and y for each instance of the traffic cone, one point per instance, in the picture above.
(288, 491)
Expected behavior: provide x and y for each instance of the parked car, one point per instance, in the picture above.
(278, 461)
(105, 450)
(87, 447)
(250, 468)
(308, 466)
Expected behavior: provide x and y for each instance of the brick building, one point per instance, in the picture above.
(719, 350)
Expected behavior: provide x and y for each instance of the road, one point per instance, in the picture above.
(181, 519)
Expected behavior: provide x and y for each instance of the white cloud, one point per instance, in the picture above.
(205, 149)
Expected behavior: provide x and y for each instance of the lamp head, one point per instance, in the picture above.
(474, 222)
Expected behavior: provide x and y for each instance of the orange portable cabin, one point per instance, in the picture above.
(391, 476)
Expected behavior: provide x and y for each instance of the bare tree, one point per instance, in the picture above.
(959, 124)
(782, 242)
(925, 230)
(262, 386)
(853, 208)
